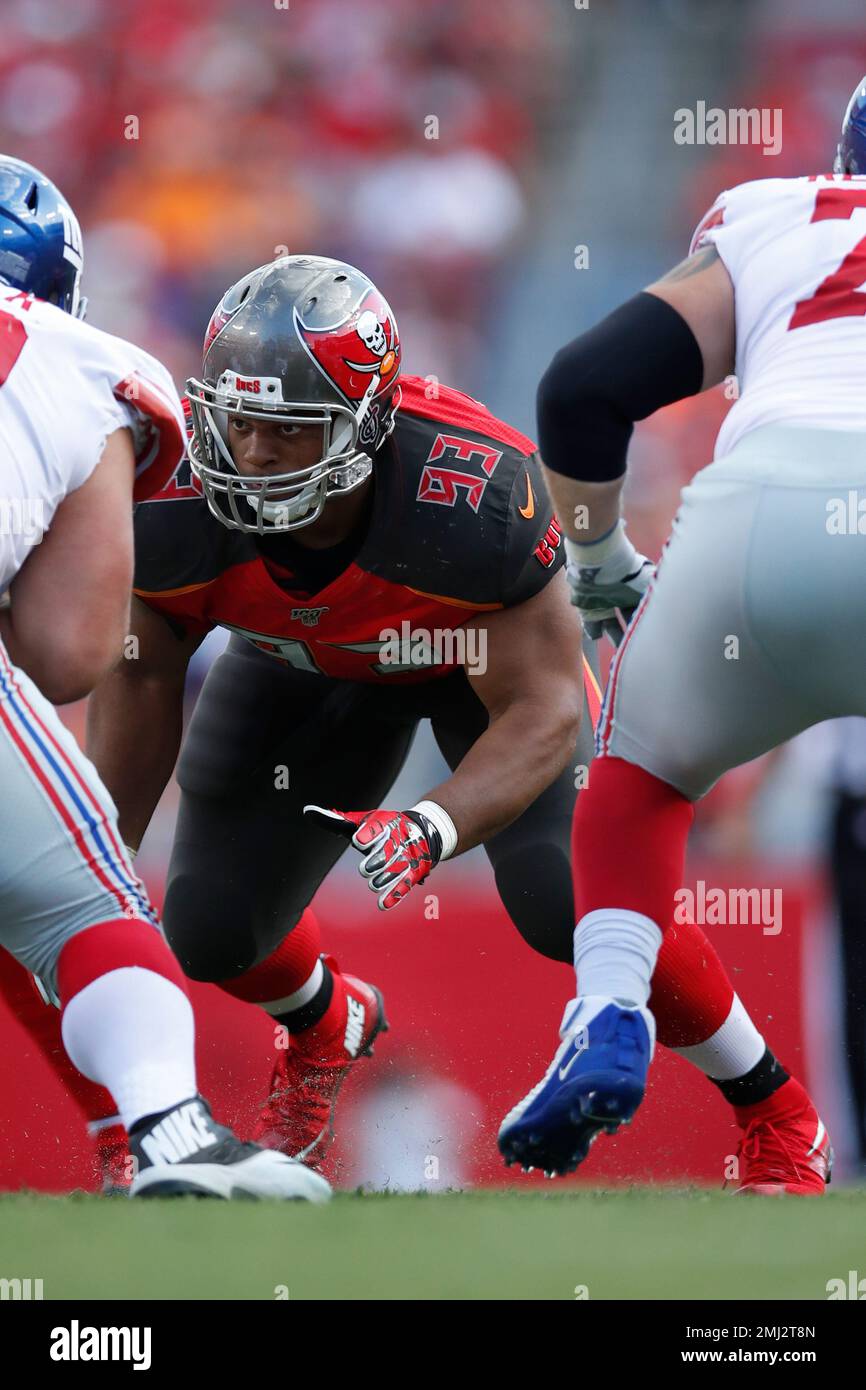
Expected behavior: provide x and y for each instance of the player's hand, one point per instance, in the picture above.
(398, 848)
(607, 579)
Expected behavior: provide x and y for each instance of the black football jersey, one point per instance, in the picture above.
(459, 522)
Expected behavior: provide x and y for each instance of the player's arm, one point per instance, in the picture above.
(135, 719)
(529, 676)
(673, 340)
(68, 605)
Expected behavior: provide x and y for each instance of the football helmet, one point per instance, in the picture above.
(302, 340)
(851, 150)
(40, 240)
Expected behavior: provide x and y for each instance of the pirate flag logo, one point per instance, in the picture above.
(361, 355)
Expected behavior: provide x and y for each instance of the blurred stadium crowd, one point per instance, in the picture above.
(195, 140)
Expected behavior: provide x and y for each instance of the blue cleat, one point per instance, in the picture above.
(595, 1082)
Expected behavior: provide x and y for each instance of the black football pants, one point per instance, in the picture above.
(246, 862)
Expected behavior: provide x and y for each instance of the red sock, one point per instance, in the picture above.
(629, 842)
(628, 850)
(127, 942)
(691, 993)
(127, 1019)
(285, 970)
(42, 1022)
(333, 1020)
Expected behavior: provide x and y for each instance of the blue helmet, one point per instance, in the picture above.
(40, 239)
(851, 151)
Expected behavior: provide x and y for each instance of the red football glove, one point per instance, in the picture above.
(399, 848)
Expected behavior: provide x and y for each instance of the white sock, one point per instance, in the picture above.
(132, 1030)
(301, 996)
(731, 1051)
(615, 954)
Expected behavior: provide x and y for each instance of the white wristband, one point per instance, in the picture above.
(443, 823)
(130, 851)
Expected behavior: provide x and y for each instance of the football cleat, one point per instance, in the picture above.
(185, 1153)
(785, 1154)
(112, 1160)
(595, 1083)
(298, 1116)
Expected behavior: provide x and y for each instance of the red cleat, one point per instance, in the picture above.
(785, 1147)
(112, 1159)
(298, 1116)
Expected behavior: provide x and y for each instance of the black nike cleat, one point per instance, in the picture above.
(183, 1152)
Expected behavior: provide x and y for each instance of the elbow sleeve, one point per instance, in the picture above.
(641, 357)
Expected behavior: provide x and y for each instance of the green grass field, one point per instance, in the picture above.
(493, 1245)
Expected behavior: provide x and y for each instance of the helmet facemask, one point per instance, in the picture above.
(279, 502)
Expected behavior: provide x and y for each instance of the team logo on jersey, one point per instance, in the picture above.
(545, 551)
(363, 360)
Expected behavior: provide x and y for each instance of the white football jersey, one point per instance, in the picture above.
(64, 387)
(795, 250)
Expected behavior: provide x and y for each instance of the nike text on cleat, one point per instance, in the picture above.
(184, 1152)
(595, 1083)
(354, 1034)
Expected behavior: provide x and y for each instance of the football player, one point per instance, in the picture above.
(345, 523)
(87, 424)
(751, 630)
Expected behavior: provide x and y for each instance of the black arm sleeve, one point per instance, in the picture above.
(641, 357)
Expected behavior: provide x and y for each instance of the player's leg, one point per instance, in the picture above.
(696, 1009)
(847, 859)
(711, 674)
(73, 912)
(264, 740)
(28, 1002)
(246, 863)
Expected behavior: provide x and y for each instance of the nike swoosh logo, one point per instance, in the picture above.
(581, 1043)
(529, 510)
(563, 1071)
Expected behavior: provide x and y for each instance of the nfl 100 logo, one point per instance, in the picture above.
(308, 616)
